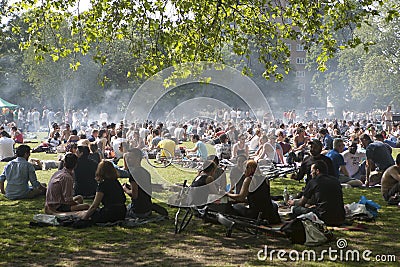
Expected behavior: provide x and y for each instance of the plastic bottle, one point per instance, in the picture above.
(285, 195)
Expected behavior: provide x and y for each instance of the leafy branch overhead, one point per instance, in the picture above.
(163, 33)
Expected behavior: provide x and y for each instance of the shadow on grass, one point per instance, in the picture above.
(157, 245)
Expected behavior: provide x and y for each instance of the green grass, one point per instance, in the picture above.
(157, 245)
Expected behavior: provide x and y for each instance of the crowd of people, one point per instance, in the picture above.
(329, 154)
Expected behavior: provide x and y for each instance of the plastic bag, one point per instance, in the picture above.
(371, 206)
(46, 219)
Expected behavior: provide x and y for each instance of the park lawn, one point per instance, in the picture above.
(157, 245)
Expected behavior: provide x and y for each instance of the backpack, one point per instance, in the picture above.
(303, 230)
(294, 230)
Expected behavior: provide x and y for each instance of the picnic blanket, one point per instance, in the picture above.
(71, 219)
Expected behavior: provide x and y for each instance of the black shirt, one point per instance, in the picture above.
(142, 204)
(305, 168)
(326, 193)
(113, 193)
(198, 191)
(380, 155)
(85, 172)
(260, 201)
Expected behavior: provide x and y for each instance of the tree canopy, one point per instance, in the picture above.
(160, 33)
(359, 79)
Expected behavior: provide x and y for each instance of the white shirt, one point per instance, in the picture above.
(226, 115)
(35, 115)
(254, 142)
(353, 161)
(233, 114)
(115, 144)
(6, 147)
(179, 132)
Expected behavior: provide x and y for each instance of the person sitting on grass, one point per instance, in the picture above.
(255, 192)
(18, 173)
(203, 185)
(240, 148)
(167, 144)
(378, 160)
(73, 137)
(219, 174)
(140, 189)
(323, 195)
(16, 135)
(85, 173)
(339, 166)
(109, 193)
(6, 147)
(236, 175)
(305, 167)
(199, 148)
(59, 195)
(390, 184)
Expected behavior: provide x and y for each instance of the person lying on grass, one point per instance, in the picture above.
(59, 195)
(110, 194)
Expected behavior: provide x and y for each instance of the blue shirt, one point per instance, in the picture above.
(328, 142)
(17, 173)
(201, 150)
(337, 161)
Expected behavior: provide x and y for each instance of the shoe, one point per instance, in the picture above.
(394, 200)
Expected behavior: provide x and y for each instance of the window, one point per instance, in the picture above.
(301, 86)
(302, 99)
(301, 60)
(289, 46)
(300, 73)
(300, 47)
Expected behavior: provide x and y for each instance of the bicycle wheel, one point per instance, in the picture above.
(182, 220)
(163, 159)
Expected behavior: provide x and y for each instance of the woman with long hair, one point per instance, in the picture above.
(255, 192)
(110, 194)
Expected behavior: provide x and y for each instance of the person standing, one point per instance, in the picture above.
(50, 118)
(387, 117)
(36, 119)
(45, 121)
(21, 119)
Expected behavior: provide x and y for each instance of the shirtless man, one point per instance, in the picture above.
(390, 183)
(66, 133)
(387, 116)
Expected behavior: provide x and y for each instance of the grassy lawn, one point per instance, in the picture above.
(157, 245)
